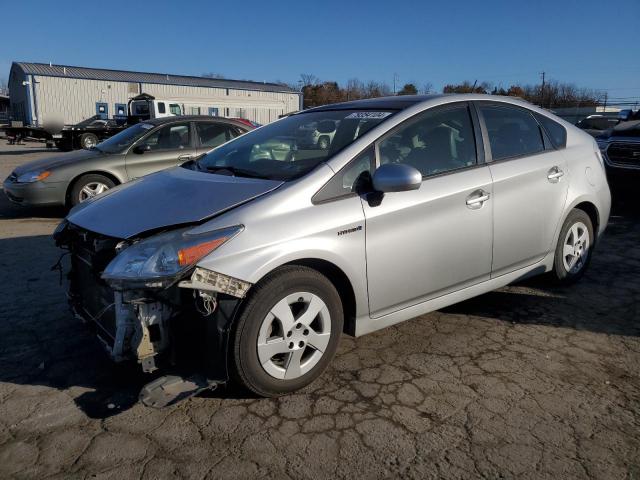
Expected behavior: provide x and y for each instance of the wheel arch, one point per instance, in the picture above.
(590, 209)
(74, 180)
(340, 281)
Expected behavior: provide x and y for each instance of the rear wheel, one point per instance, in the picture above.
(88, 140)
(88, 186)
(575, 244)
(288, 331)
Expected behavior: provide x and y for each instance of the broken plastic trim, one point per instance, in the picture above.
(170, 389)
(208, 280)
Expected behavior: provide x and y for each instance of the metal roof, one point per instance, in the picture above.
(69, 71)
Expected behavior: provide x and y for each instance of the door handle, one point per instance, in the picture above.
(554, 174)
(477, 199)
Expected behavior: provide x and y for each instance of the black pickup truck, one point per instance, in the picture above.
(620, 148)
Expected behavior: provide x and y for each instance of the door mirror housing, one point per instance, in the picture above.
(396, 177)
(140, 149)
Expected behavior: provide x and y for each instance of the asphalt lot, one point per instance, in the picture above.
(530, 381)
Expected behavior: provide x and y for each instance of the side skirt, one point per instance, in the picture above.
(365, 324)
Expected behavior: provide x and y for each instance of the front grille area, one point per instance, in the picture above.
(627, 154)
(90, 296)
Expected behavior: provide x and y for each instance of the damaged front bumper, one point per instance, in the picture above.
(180, 323)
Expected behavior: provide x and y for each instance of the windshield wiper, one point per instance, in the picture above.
(235, 172)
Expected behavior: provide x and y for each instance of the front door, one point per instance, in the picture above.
(529, 187)
(165, 147)
(435, 240)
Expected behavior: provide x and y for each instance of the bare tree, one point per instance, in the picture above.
(427, 88)
(4, 87)
(309, 79)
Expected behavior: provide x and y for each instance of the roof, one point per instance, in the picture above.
(182, 118)
(398, 102)
(69, 71)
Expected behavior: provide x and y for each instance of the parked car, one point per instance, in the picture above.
(620, 147)
(419, 202)
(596, 124)
(137, 151)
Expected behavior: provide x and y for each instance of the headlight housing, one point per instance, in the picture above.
(31, 177)
(160, 260)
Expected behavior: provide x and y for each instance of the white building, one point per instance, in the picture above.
(38, 90)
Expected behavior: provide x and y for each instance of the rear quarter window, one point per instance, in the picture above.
(555, 131)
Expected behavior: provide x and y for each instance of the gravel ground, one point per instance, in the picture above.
(525, 382)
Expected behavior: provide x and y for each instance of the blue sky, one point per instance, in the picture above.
(590, 43)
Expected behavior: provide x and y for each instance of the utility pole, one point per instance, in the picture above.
(605, 101)
(395, 77)
(542, 90)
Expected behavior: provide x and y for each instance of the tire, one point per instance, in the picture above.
(88, 140)
(323, 143)
(577, 225)
(280, 290)
(92, 182)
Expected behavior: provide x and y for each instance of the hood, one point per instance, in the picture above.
(58, 161)
(627, 129)
(168, 198)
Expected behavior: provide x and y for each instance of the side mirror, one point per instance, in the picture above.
(396, 177)
(140, 149)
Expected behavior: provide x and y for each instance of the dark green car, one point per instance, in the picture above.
(137, 151)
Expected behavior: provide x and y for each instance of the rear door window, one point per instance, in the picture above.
(213, 135)
(512, 131)
(555, 131)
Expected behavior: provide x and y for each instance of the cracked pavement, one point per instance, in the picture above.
(531, 381)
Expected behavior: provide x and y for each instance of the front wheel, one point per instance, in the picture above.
(88, 186)
(288, 331)
(575, 245)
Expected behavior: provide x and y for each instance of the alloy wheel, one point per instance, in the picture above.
(294, 335)
(575, 250)
(92, 189)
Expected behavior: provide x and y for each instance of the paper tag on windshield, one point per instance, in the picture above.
(369, 115)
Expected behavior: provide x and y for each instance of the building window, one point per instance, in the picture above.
(194, 110)
(213, 111)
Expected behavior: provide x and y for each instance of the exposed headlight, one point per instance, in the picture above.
(158, 258)
(31, 177)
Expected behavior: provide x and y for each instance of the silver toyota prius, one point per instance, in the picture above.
(250, 262)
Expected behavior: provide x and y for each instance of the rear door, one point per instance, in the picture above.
(530, 183)
(165, 147)
(210, 135)
(435, 240)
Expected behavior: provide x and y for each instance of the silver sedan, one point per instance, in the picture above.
(275, 249)
(137, 151)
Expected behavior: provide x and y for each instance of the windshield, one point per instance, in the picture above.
(124, 139)
(291, 147)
